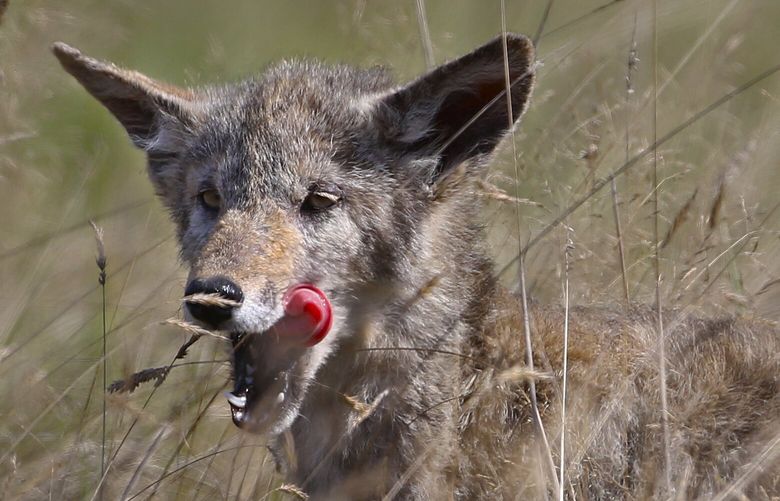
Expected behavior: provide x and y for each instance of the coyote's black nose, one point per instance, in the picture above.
(213, 310)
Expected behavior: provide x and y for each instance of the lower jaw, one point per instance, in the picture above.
(259, 412)
(262, 388)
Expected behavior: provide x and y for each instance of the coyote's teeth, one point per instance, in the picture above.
(280, 397)
(235, 400)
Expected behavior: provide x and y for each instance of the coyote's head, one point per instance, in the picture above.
(318, 175)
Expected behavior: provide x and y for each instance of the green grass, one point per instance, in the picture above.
(63, 161)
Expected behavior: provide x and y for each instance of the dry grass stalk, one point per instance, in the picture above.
(129, 384)
(679, 219)
(521, 374)
(292, 490)
(631, 65)
(358, 406)
(657, 264)
(566, 263)
(529, 360)
(425, 34)
(193, 329)
(717, 203)
(767, 285)
(542, 23)
(211, 300)
(492, 191)
(101, 262)
(365, 409)
(184, 347)
(526, 321)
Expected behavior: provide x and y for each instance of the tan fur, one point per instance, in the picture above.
(238, 249)
(723, 392)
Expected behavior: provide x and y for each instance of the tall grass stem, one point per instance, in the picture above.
(657, 264)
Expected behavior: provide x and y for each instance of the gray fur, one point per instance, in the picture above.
(403, 260)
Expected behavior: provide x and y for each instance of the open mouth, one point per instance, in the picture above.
(243, 377)
(261, 370)
(263, 363)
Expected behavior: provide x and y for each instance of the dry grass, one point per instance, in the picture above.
(63, 162)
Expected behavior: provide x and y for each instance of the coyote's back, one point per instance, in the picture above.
(330, 221)
(723, 406)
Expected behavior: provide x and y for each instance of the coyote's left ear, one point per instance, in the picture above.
(459, 111)
(138, 102)
(158, 117)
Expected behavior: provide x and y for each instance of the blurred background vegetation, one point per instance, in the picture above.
(64, 161)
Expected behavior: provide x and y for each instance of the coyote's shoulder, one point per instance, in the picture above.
(336, 218)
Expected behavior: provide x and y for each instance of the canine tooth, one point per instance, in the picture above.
(280, 397)
(237, 401)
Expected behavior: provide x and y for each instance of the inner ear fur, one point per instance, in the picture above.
(458, 111)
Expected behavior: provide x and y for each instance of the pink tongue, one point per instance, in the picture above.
(308, 316)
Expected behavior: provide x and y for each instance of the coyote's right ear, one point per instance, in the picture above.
(156, 116)
(458, 112)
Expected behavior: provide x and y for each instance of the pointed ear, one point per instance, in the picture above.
(137, 101)
(158, 117)
(458, 111)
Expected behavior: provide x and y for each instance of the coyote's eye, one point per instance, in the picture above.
(318, 200)
(210, 199)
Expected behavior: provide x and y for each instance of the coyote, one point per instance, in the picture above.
(331, 220)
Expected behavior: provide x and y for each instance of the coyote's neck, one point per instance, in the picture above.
(393, 385)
